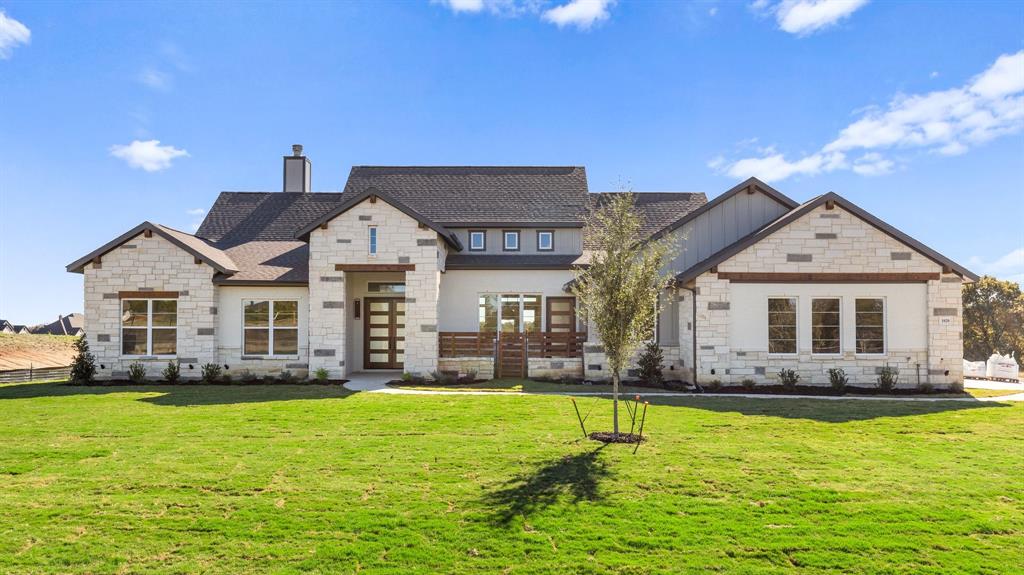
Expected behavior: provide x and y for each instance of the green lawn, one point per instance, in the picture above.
(297, 479)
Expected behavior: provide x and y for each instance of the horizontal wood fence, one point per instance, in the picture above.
(40, 374)
(541, 344)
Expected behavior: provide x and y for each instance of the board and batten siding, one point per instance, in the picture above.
(722, 225)
(567, 240)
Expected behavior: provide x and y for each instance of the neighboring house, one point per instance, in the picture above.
(8, 327)
(71, 324)
(465, 268)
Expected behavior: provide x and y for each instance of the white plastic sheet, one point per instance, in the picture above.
(1001, 366)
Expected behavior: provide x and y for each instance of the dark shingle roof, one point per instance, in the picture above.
(658, 209)
(464, 195)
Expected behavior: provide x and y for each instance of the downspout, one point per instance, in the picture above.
(693, 322)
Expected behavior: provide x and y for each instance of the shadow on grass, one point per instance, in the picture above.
(183, 395)
(577, 477)
(823, 410)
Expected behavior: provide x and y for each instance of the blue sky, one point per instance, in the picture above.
(111, 114)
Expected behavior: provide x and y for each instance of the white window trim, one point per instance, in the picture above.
(885, 327)
(841, 315)
(522, 308)
(483, 244)
(149, 328)
(505, 235)
(270, 336)
(550, 234)
(767, 340)
(372, 241)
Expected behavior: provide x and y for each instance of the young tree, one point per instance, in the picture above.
(618, 291)
(993, 318)
(83, 366)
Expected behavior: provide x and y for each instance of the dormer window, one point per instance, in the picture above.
(477, 240)
(511, 240)
(545, 241)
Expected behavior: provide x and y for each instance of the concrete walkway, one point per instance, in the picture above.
(376, 382)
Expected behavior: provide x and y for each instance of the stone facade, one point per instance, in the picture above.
(482, 366)
(400, 240)
(833, 241)
(150, 264)
(555, 368)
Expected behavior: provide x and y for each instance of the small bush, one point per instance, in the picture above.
(888, 377)
(837, 377)
(137, 372)
(172, 373)
(321, 374)
(925, 387)
(287, 377)
(650, 364)
(714, 385)
(210, 372)
(470, 375)
(788, 378)
(226, 379)
(246, 376)
(269, 379)
(407, 376)
(956, 387)
(83, 367)
(748, 384)
(443, 378)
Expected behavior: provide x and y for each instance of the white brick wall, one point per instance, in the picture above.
(836, 241)
(346, 241)
(150, 264)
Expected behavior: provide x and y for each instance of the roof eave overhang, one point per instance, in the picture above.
(78, 266)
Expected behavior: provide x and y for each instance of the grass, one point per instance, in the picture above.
(300, 479)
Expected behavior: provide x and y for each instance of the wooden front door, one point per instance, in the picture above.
(384, 333)
(561, 314)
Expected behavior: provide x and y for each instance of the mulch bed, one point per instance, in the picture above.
(821, 390)
(126, 383)
(609, 437)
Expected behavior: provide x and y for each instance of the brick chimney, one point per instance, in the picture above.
(297, 172)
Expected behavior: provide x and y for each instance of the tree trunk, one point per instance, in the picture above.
(615, 402)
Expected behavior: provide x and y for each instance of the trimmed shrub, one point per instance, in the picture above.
(210, 372)
(321, 374)
(925, 387)
(246, 376)
(788, 378)
(443, 378)
(888, 377)
(227, 379)
(172, 373)
(837, 377)
(287, 377)
(407, 376)
(650, 364)
(714, 385)
(137, 372)
(83, 367)
(956, 387)
(748, 384)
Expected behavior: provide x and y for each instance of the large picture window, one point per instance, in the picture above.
(510, 313)
(270, 327)
(825, 321)
(870, 321)
(488, 309)
(782, 325)
(149, 327)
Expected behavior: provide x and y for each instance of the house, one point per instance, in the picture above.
(71, 324)
(466, 268)
(8, 327)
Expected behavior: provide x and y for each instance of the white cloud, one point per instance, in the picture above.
(803, 17)
(12, 34)
(713, 10)
(148, 155)
(934, 74)
(1009, 267)
(946, 122)
(580, 13)
(196, 212)
(155, 79)
(465, 5)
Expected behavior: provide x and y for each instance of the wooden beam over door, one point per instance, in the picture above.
(375, 267)
(147, 295)
(884, 277)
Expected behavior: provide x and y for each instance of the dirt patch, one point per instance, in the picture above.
(22, 351)
(609, 437)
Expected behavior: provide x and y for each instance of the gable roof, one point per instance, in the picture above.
(198, 247)
(749, 185)
(450, 238)
(804, 209)
(71, 324)
(657, 209)
(463, 196)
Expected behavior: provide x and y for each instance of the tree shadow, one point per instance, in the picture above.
(184, 395)
(576, 477)
(822, 410)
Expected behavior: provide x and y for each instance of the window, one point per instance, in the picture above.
(825, 328)
(385, 287)
(531, 313)
(477, 240)
(149, 326)
(545, 241)
(510, 313)
(782, 325)
(373, 240)
(511, 240)
(270, 327)
(488, 306)
(870, 320)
